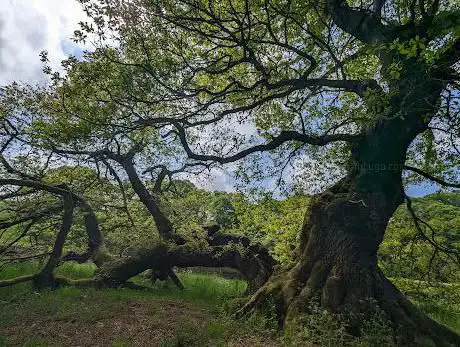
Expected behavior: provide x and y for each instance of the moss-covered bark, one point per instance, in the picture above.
(163, 257)
(337, 265)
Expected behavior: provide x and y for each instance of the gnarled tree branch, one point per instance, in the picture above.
(283, 137)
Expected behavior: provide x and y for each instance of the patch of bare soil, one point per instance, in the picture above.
(134, 323)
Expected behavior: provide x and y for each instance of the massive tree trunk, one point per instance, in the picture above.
(337, 255)
(337, 265)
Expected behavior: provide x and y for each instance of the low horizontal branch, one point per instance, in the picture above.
(16, 280)
(26, 257)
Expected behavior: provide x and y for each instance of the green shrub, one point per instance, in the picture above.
(319, 327)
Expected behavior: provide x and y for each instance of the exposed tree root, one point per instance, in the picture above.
(411, 326)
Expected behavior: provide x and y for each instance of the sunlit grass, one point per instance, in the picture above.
(199, 320)
(441, 301)
(203, 291)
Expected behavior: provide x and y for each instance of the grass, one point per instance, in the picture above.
(200, 288)
(447, 314)
(159, 316)
(441, 301)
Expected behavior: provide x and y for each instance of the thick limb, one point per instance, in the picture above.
(250, 265)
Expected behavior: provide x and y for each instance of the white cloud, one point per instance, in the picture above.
(218, 179)
(29, 26)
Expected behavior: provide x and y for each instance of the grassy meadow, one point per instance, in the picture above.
(161, 315)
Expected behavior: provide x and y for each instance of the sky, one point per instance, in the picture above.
(28, 27)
